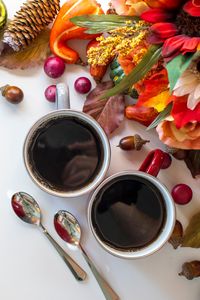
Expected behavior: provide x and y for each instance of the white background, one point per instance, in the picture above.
(30, 268)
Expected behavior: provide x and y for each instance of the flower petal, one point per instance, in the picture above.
(192, 101)
(192, 9)
(185, 89)
(164, 30)
(129, 8)
(154, 39)
(173, 45)
(190, 45)
(197, 91)
(181, 114)
(167, 4)
(183, 80)
(156, 15)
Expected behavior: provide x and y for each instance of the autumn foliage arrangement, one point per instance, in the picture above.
(156, 47)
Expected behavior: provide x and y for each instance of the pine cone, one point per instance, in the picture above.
(29, 21)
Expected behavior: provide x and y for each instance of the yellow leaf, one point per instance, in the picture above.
(159, 102)
(192, 234)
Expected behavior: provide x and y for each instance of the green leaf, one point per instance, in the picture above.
(177, 66)
(145, 65)
(102, 23)
(192, 233)
(162, 115)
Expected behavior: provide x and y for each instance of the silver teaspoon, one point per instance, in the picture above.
(69, 230)
(28, 210)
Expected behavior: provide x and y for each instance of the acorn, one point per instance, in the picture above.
(13, 94)
(132, 143)
(176, 238)
(190, 269)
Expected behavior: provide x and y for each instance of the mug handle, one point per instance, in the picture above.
(62, 96)
(153, 162)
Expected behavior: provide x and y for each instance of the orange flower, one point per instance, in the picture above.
(187, 137)
(129, 7)
(168, 4)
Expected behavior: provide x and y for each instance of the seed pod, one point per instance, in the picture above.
(132, 143)
(13, 94)
(190, 269)
(176, 238)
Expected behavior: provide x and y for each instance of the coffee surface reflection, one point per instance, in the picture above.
(128, 213)
(65, 154)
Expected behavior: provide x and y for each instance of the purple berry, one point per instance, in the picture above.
(54, 67)
(82, 85)
(50, 93)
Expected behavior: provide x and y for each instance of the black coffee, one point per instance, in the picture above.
(65, 154)
(128, 213)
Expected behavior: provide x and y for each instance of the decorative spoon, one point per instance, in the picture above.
(28, 210)
(69, 230)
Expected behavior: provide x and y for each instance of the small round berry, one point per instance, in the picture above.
(54, 67)
(50, 93)
(82, 85)
(182, 194)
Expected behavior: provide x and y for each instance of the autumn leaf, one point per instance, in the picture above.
(30, 57)
(191, 237)
(108, 113)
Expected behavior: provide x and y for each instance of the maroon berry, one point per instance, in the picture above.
(167, 161)
(182, 194)
(82, 85)
(50, 93)
(54, 67)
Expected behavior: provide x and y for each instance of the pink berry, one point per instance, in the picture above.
(50, 93)
(167, 161)
(182, 194)
(82, 85)
(54, 67)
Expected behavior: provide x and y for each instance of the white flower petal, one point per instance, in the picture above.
(197, 92)
(184, 90)
(192, 101)
(185, 80)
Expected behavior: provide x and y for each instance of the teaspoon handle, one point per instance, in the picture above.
(76, 270)
(105, 287)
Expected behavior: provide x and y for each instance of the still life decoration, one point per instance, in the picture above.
(149, 49)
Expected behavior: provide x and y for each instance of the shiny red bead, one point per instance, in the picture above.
(182, 194)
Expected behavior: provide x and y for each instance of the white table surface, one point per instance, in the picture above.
(30, 268)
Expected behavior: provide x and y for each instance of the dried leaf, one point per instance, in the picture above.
(30, 57)
(191, 237)
(109, 113)
(192, 161)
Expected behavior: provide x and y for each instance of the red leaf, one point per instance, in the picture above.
(108, 113)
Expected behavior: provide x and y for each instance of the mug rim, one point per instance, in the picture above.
(98, 130)
(165, 232)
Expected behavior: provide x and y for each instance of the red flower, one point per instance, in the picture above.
(178, 30)
(183, 115)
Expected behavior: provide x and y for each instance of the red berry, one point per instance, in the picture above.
(50, 93)
(82, 85)
(54, 67)
(182, 194)
(167, 161)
